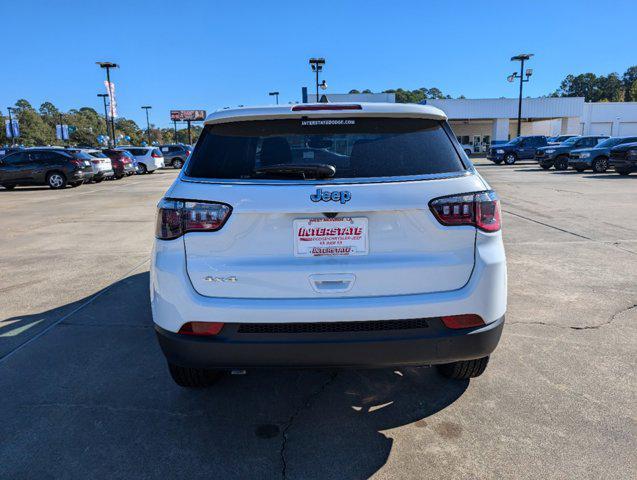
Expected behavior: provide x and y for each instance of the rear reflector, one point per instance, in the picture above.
(325, 106)
(463, 321)
(155, 155)
(201, 328)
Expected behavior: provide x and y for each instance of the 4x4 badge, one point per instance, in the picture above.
(321, 195)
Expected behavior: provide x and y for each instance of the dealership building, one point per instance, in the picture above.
(483, 121)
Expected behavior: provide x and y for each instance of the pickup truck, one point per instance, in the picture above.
(520, 148)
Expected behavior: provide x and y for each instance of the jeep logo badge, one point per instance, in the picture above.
(321, 195)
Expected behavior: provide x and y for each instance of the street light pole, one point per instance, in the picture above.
(104, 96)
(147, 107)
(175, 124)
(317, 66)
(275, 94)
(108, 66)
(521, 58)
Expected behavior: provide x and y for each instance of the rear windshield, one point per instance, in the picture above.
(97, 154)
(355, 147)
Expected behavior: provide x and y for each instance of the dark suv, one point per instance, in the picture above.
(596, 158)
(56, 168)
(520, 148)
(624, 158)
(175, 155)
(557, 155)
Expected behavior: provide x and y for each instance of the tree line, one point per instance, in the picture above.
(37, 127)
(594, 88)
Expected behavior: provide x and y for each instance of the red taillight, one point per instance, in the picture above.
(96, 162)
(176, 217)
(481, 209)
(155, 155)
(188, 152)
(324, 106)
(201, 328)
(463, 321)
(79, 163)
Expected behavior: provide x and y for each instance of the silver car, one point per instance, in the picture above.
(101, 164)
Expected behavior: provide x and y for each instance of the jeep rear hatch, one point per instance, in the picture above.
(367, 230)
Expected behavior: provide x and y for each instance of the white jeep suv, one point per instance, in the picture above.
(327, 235)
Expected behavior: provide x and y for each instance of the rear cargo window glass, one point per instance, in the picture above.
(355, 147)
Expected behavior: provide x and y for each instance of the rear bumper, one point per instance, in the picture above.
(434, 344)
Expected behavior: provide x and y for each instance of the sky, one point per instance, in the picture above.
(182, 54)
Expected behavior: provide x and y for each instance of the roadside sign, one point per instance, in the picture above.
(187, 115)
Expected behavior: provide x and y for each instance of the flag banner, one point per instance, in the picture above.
(62, 132)
(12, 133)
(110, 89)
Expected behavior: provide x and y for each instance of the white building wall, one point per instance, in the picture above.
(609, 118)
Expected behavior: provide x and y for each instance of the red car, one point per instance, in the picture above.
(122, 162)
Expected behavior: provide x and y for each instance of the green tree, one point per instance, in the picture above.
(628, 79)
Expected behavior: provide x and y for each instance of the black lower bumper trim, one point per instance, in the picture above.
(434, 344)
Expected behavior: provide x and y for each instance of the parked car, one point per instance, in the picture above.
(596, 158)
(7, 150)
(520, 148)
(102, 165)
(559, 139)
(557, 155)
(175, 155)
(122, 162)
(148, 159)
(54, 167)
(380, 272)
(624, 158)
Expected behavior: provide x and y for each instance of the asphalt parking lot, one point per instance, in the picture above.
(86, 393)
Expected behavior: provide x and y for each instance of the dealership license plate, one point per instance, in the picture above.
(315, 237)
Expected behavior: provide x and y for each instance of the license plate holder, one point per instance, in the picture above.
(331, 237)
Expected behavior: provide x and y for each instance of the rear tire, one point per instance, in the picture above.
(9, 186)
(178, 163)
(75, 184)
(468, 152)
(98, 180)
(545, 166)
(193, 377)
(600, 165)
(497, 162)
(510, 158)
(56, 180)
(623, 172)
(142, 169)
(464, 369)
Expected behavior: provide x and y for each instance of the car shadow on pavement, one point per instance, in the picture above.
(95, 387)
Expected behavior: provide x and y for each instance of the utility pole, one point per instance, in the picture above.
(520, 58)
(189, 139)
(175, 124)
(275, 94)
(108, 66)
(104, 96)
(147, 107)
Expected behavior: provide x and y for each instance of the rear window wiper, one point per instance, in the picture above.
(304, 171)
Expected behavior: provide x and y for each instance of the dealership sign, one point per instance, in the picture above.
(187, 115)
